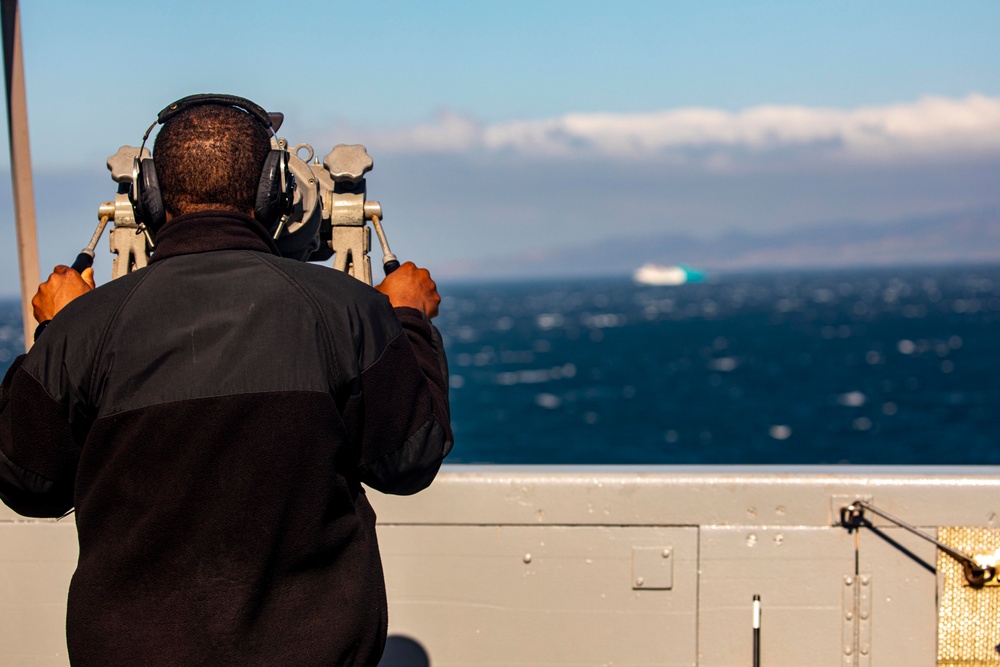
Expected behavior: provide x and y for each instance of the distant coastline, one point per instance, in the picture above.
(961, 238)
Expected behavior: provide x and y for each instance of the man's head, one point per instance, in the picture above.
(210, 157)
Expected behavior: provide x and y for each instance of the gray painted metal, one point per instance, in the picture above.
(539, 566)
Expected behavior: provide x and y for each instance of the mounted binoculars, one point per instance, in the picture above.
(328, 216)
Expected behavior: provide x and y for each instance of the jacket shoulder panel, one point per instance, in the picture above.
(238, 322)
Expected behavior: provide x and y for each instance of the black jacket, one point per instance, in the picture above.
(211, 418)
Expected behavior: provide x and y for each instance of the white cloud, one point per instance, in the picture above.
(450, 133)
(931, 127)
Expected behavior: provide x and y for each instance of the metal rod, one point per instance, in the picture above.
(756, 631)
(20, 164)
(86, 257)
(977, 575)
(950, 550)
(389, 261)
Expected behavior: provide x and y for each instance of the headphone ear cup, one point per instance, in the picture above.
(272, 199)
(146, 197)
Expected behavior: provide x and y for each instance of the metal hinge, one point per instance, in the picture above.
(857, 621)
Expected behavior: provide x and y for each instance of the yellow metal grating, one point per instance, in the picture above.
(968, 618)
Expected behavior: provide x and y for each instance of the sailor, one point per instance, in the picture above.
(212, 419)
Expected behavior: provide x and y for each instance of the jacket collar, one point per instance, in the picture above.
(206, 231)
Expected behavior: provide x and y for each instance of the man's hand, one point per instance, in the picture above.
(63, 286)
(411, 287)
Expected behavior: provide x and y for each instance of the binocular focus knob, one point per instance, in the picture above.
(348, 162)
(121, 163)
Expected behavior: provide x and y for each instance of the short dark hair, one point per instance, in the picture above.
(210, 157)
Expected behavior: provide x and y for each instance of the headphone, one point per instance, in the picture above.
(275, 190)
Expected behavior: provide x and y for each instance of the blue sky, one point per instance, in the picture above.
(505, 128)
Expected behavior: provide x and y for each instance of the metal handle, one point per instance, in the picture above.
(85, 259)
(389, 261)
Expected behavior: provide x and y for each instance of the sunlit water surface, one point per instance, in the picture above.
(877, 366)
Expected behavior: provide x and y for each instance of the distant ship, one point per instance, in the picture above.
(660, 274)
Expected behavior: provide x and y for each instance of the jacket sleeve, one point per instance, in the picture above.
(38, 453)
(406, 424)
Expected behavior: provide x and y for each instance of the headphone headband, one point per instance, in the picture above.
(275, 189)
(254, 110)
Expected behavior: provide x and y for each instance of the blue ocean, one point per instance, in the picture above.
(887, 366)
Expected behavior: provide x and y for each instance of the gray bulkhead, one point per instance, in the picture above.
(563, 566)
